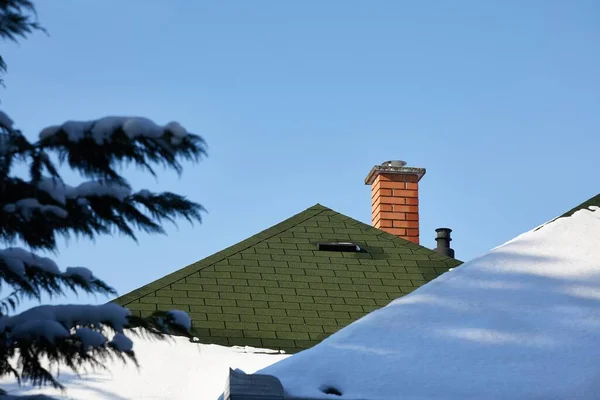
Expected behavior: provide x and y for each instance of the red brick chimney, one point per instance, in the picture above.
(395, 198)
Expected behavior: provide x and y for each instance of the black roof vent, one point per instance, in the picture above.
(339, 246)
(443, 240)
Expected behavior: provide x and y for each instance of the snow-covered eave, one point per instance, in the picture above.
(587, 205)
(241, 386)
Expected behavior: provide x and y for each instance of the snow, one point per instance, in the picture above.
(60, 191)
(80, 272)
(17, 258)
(175, 369)
(145, 193)
(14, 263)
(39, 328)
(90, 338)
(520, 322)
(95, 188)
(55, 188)
(26, 207)
(122, 342)
(102, 129)
(181, 318)
(33, 397)
(70, 315)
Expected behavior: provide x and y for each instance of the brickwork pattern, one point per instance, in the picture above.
(276, 290)
(395, 205)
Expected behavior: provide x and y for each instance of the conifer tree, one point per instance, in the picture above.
(36, 210)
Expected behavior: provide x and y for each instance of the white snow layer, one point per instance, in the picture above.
(181, 318)
(122, 342)
(16, 259)
(81, 272)
(521, 322)
(26, 207)
(102, 129)
(175, 369)
(73, 314)
(90, 338)
(60, 191)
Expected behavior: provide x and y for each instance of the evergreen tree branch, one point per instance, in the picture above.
(31, 276)
(76, 336)
(167, 206)
(18, 19)
(36, 212)
(95, 148)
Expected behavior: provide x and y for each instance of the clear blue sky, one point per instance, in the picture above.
(500, 101)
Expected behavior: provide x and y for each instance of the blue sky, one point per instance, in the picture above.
(298, 100)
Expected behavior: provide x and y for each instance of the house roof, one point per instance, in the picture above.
(594, 201)
(525, 312)
(277, 290)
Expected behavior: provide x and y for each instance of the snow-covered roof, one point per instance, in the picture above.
(520, 322)
(175, 369)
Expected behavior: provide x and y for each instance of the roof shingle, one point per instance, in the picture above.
(277, 290)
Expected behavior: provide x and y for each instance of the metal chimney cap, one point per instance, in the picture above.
(443, 234)
(394, 163)
(393, 167)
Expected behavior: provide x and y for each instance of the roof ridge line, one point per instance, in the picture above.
(592, 201)
(218, 256)
(383, 235)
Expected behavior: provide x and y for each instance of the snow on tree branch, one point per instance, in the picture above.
(35, 211)
(27, 207)
(31, 275)
(95, 147)
(77, 334)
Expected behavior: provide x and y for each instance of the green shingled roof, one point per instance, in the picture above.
(277, 290)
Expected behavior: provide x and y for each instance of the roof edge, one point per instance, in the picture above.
(220, 255)
(385, 235)
(593, 201)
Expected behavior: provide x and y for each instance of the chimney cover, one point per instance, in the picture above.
(394, 163)
(394, 167)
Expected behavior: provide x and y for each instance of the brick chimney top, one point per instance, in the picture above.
(393, 167)
(395, 198)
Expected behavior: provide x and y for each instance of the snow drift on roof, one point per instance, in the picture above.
(522, 321)
(175, 369)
